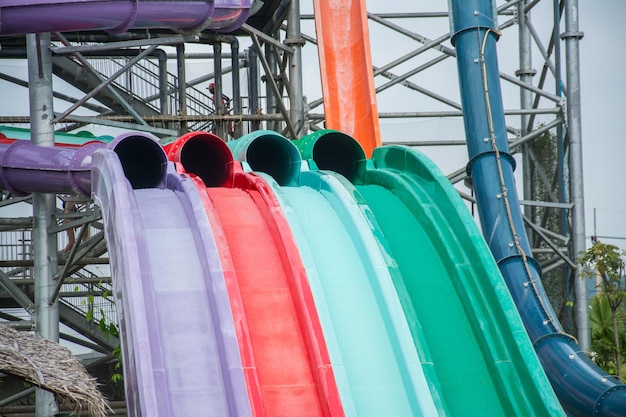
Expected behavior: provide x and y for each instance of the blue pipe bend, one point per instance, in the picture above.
(582, 387)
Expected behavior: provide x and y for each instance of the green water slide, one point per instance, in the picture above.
(471, 341)
(378, 371)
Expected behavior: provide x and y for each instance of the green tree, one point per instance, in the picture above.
(603, 335)
(605, 263)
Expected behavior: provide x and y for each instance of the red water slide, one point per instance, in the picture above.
(346, 70)
(284, 355)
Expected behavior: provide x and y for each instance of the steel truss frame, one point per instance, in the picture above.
(267, 85)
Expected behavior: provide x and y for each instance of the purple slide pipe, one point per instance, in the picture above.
(26, 168)
(18, 17)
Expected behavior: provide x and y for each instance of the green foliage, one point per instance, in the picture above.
(603, 335)
(118, 376)
(605, 263)
(108, 328)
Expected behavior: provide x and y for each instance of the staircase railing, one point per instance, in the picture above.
(142, 81)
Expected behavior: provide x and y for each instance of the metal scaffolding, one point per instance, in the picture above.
(263, 77)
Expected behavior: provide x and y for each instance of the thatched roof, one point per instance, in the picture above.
(52, 367)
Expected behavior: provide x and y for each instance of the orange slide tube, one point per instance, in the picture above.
(346, 70)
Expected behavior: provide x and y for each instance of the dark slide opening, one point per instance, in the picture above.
(275, 157)
(143, 161)
(208, 159)
(339, 153)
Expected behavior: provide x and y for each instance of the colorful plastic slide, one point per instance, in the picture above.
(18, 17)
(179, 346)
(452, 292)
(421, 249)
(300, 294)
(388, 300)
(10, 134)
(288, 371)
(293, 288)
(376, 368)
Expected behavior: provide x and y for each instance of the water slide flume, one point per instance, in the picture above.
(18, 17)
(454, 297)
(377, 370)
(179, 351)
(582, 387)
(284, 354)
(26, 168)
(10, 134)
(346, 70)
(125, 191)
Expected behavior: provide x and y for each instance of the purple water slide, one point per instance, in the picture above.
(26, 168)
(181, 356)
(19, 17)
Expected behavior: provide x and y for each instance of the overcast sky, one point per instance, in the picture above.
(603, 87)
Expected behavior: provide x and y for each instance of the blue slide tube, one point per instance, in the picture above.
(582, 387)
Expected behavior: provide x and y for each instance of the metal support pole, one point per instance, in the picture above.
(234, 49)
(182, 87)
(525, 74)
(253, 85)
(220, 128)
(557, 8)
(44, 243)
(163, 85)
(295, 40)
(270, 98)
(572, 38)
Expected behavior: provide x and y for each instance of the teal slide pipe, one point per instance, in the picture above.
(269, 152)
(333, 150)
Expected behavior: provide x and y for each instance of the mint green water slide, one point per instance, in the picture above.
(473, 347)
(377, 369)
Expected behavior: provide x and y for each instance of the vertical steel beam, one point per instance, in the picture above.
(525, 74)
(253, 86)
(557, 8)
(163, 85)
(270, 98)
(218, 92)
(44, 243)
(295, 40)
(572, 38)
(182, 87)
(236, 101)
